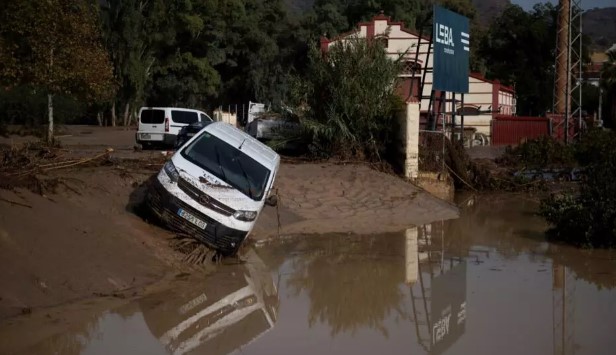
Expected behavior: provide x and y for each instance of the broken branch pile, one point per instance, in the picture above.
(25, 166)
(194, 251)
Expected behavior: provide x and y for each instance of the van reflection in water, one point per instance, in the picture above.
(233, 309)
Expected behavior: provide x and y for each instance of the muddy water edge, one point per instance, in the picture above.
(484, 283)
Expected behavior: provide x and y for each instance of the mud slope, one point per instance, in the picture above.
(331, 198)
(79, 242)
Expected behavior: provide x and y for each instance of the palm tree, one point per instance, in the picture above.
(608, 84)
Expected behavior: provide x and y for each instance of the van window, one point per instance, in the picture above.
(205, 118)
(228, 164)
(152, 116)
(184, 117)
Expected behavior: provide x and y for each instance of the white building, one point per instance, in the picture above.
(486, 98)
(592, 70)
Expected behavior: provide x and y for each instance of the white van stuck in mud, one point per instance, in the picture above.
(215, 186)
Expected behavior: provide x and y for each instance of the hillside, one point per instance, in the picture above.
(600, 25)
(487, 10)
(299, 6)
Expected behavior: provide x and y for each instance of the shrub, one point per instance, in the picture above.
(593, 146)
(543, 152)
(350, 101)
(27, 105)
(588, 218)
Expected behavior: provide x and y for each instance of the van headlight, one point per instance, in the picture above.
(171, 171)
(246, 216)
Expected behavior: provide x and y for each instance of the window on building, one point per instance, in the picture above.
(410, 67)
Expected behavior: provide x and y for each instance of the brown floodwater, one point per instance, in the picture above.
(486, 283)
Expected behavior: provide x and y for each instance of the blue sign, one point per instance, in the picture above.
(448, 308)
(451, 41)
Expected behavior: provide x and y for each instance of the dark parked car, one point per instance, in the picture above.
(187, 132)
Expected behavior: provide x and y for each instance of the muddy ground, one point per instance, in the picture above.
(88, 238)
(488, 280)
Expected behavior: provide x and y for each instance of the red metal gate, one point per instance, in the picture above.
(512, 130)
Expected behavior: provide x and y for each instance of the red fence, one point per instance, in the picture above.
(512, 130)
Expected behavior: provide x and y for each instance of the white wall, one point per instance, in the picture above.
(409, 125)
(227, 117)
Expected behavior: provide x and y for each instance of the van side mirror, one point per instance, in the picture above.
(272, 200)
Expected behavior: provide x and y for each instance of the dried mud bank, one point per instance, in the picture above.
(329, 198)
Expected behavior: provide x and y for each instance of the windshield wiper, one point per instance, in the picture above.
(245, 177)
(222, 170)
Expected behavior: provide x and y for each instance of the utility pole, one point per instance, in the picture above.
(568, 69)
(600, 99)
(563, 310)
(562, 47)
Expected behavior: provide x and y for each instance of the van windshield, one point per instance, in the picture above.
(228, 164)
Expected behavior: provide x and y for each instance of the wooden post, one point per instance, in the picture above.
(50, 115)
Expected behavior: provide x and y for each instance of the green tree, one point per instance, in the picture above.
(462, 7)
(9, 69)
(182, 73)
(267, 73)
(255, 46)
(55, 45)
(129, 43)
(327, 18)
(351, 99)
(608, 84)
(331, 17)
(371, 291)
(466, 8)
(518, 50)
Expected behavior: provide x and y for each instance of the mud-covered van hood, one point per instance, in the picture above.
(214, 187)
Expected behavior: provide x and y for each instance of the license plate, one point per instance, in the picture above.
(192, 219)
(151, 136)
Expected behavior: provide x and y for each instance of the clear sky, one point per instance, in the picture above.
(586, 4)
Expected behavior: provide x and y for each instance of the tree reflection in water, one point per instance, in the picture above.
(505, 222)
(64, 342)
(597, 267)
(508, 223)
(352, 281)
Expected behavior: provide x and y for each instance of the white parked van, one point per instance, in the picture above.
(215, 186)
(162, 124)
